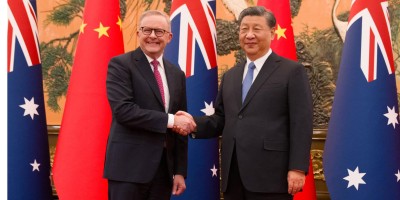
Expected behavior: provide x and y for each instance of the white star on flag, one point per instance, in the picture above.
(398, 175)
(392, 117)
(30, 107)
(209, 109)
(354, 178)
(35, 166)
(214, 171)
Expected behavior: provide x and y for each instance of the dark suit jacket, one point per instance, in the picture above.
(271, 130)
(139, 122)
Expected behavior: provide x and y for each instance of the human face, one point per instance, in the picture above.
(152, 45)
(255, 36)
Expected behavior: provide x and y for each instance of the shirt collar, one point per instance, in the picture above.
(159, 59)
(260, 61)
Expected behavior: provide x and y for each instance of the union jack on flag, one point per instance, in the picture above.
(28, 160)
(363, 143)
(375, 33)
(22, 25)
(193, 49)
(197, 25)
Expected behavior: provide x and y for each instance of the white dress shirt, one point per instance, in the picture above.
(258, 63)
(161, 69)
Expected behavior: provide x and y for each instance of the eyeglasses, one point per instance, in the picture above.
(158, 32)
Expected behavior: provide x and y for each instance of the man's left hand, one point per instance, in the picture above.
(179, 185)
(296, 180)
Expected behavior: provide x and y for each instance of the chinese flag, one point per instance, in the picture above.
(283, 44)
(80, 153)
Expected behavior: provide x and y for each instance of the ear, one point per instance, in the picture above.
(273, 32)
(169, 37)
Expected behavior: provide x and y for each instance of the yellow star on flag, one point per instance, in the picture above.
(82, 28)
(102, 30)
(119, 23)
(280, 32)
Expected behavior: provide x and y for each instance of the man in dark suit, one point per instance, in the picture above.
(264, 113)
(145, 160)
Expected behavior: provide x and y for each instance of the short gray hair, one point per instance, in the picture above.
(155, 12)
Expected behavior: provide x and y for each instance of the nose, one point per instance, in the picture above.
(153, 33)
(250, 34)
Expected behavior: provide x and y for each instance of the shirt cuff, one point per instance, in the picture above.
(171, 121)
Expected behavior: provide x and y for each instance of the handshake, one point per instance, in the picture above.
(183, 123)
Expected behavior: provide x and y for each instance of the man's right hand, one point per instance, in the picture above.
(183, 123)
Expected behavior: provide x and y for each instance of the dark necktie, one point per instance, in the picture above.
(158, 79)
(248, 80)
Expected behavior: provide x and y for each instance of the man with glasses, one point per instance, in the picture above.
(145, 160)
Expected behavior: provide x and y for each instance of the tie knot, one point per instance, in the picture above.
(155, 63)
(252, 65)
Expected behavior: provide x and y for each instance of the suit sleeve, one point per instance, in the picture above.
(122, 100)
(301, 119)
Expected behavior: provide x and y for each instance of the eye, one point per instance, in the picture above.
(244, 30)
(147, 31)
(159, 31)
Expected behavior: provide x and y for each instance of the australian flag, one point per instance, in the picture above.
(28, 165)
(193, 49)
(361, 158)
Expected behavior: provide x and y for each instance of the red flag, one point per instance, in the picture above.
(80, 153)
(283, 44)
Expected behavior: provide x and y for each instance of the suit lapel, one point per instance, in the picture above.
(143, 66)
(171, 85)
(268, 68)
(238, 84)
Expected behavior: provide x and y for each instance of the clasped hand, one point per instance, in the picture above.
(183, 123)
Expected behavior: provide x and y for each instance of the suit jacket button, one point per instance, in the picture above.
(240, 116)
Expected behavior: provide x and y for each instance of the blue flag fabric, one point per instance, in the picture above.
(28, 159)
(361, 151)
(193, 48)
